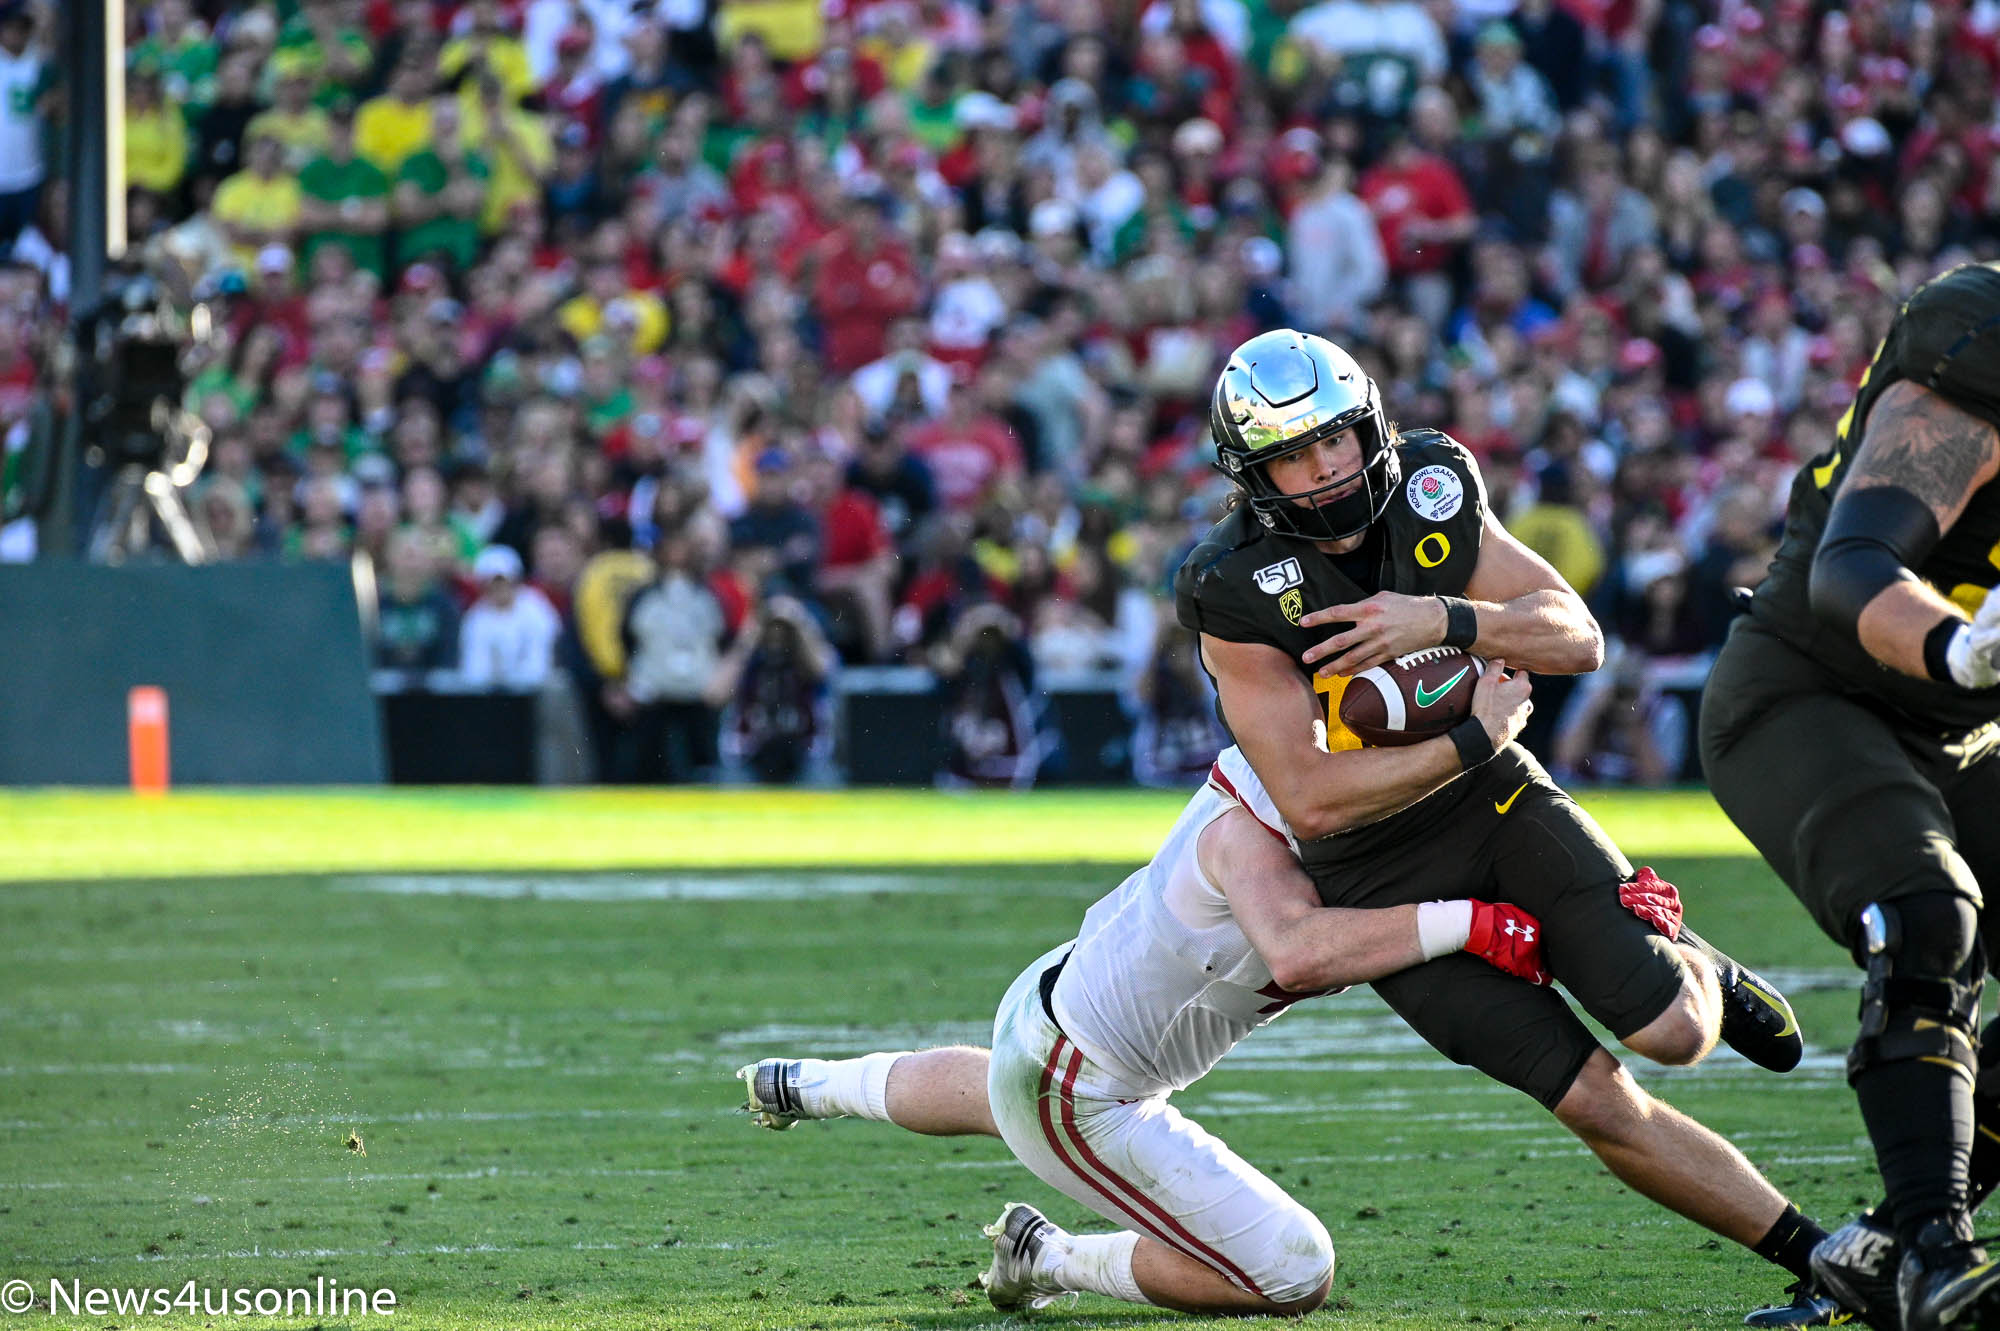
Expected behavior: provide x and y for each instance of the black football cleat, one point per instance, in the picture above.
(1942, 1275)
(1757, 1021)
(1810, 1306)
(1857, 1264)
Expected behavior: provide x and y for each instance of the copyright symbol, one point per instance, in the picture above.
(16, 1296)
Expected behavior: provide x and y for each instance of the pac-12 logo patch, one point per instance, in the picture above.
(1274, 578)
(1292, 604)
(1435, 493)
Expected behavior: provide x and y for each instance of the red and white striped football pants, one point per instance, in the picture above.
(1139, 1162)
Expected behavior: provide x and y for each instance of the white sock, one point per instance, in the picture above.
(847, 1086)
(1097, 1264)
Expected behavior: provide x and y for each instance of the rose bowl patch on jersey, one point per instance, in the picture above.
(1435, 493)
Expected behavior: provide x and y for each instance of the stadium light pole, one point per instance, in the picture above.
(94, 167)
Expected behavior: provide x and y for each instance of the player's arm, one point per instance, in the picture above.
(1271, 712)
(1310, 947)
(1515, 606)
(1919, 462)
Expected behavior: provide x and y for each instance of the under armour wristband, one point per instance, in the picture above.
(1937, 649)
(1474, 745)
(1443, 927)
(1461, 622)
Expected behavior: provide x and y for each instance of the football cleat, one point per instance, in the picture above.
(1015, 1282)
(1810, 1306)
(1757, 1022)
(1939, 1281)
(1857, 1264)
(772, 1093)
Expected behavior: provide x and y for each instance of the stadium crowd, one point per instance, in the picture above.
(691, 345)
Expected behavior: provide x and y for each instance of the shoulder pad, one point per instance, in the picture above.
(1197, 605)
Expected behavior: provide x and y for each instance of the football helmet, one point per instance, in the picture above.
(1282, 391)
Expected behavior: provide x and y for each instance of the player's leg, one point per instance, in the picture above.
(1663, 1154)
(1527, 1037)
(937, 1092)
(1667, 1001)
(1835, 799)
(1203, 1231)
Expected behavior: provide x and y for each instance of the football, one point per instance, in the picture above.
(1412, 698)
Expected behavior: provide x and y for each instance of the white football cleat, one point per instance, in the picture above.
(771, 1093)
(1015, 1282)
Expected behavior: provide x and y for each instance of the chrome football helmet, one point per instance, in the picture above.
(1282, 391)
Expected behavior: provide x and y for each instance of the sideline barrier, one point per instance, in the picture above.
(263, 663)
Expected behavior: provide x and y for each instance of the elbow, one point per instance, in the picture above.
(1297, 972)
(1311, 824)
(1590, 645)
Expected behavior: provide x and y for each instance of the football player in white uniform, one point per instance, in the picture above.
(1216, 936)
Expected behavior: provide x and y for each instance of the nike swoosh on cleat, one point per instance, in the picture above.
(1501, 806)
(1791, 1022)
(1425, 697)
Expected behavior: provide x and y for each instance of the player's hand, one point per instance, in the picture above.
(1654, 900)
(1381, 628)
(1510, 939)
(1500, 702)
(1974, 651)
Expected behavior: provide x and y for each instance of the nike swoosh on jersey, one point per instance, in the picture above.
(1425, 697)
(1501, 806)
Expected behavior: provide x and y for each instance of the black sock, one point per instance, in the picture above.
(1790, 1242)
(1919, 1117)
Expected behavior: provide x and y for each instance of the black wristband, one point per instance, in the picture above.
(1461, 622)
(1937, 644)
(1474, 745)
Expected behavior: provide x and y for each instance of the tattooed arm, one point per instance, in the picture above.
(1919, 462)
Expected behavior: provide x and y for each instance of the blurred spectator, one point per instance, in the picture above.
(301, 127)
(776, 722)
(666, 704)
(509, 635)
(156, 137)
(866, 280)
(345, 201)
(967, 451)
(992, 714)
(1619, 729)
(1177, 734)
(416, 620)
(440, 193)
(261, 205)
(25, 81)
(1424, 213)
(776, 528)
(1336, 251)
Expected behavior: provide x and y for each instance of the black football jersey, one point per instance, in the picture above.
(1246, 583)
(1947, 339)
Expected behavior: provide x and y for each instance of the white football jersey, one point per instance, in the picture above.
(1162, 981)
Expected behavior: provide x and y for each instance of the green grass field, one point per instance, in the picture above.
(536, 1059)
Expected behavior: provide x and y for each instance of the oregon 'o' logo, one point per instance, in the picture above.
(1426, 557)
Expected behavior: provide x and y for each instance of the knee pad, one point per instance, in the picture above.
(1926, 964)
(1299, 1260)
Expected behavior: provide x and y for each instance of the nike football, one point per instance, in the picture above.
(1412, 698)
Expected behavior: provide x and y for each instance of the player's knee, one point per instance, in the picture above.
(1603, 1106)
(1926, 965)
(1936, 935)
(1683, 1033)
(1299, 1270)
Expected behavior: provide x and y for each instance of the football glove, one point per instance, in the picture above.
(1510, 939)
(1973, 654)
(1654, 900)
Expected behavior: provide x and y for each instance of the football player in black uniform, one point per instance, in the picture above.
(1848, 729)
(1353, 544)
